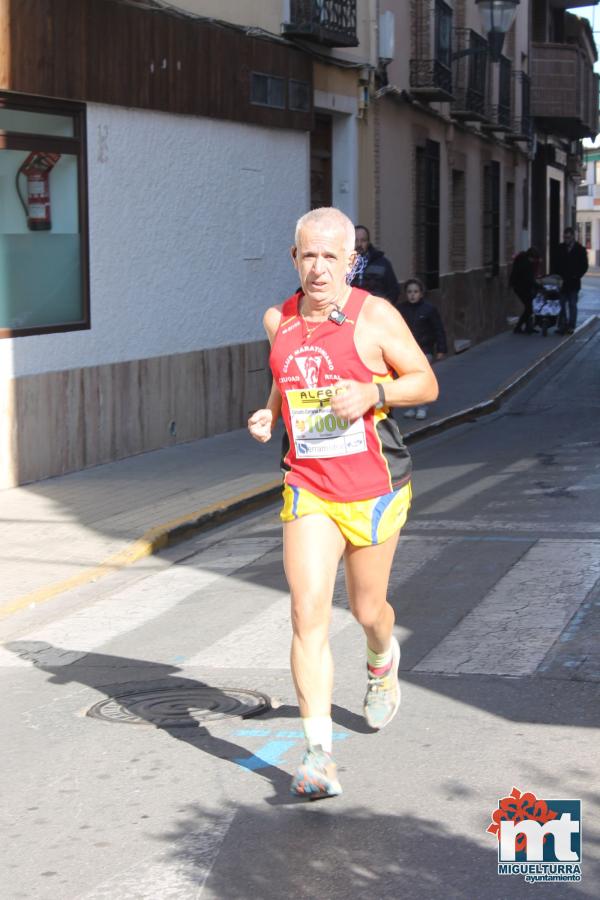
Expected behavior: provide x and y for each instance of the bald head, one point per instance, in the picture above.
(327, 219)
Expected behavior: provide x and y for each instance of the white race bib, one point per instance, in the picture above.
(317, 431)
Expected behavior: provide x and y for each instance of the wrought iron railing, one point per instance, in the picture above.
(469, 75)
(522, 123)
(431, 61)
(328, 22)
(431, 76)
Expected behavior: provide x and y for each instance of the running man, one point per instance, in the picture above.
(347, 473)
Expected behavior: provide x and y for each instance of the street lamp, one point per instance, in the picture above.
(497, 17)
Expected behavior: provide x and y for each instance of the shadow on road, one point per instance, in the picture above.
(344, 853)
(99, 671)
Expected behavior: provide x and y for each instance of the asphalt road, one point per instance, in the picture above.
(496, 589)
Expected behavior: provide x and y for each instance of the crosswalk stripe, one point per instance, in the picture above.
(179, 874)
(481, 524)
(264, 642)
(94, 625)
(515, 625)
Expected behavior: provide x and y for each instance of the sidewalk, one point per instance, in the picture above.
(68, 531)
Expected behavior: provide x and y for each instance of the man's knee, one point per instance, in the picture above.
(368, 610)
(310, 616)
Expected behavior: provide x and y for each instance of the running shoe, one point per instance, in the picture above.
(316, 777)
(421, 413)
(383, 693)
(409, 413)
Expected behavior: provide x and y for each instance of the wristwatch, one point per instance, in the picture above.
(381, 402)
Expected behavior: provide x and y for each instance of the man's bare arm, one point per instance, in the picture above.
(262, 422)
(385, 340)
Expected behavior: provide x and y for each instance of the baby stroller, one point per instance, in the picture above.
(546, 303)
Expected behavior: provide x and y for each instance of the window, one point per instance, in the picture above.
(588, 236)
(443, 33)
(597, 172)
(458, 232)
(525, 203)
(491, 218)
(267, 90)
(299, 92)
(509, 222)
(43, 217)
(427, 211)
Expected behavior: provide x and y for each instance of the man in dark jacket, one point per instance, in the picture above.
(522, 280)
(571, 264)
(372, 271)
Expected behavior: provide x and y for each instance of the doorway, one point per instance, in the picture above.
(554, 223)
(321, 143)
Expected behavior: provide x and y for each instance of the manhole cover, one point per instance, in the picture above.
(180, 706)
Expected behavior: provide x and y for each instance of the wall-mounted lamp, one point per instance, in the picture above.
(497, 17)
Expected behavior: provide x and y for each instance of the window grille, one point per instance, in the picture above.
(427, 209)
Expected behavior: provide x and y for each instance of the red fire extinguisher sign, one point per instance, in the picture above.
(36, 204)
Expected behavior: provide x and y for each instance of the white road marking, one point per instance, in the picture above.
(515, 625)
(478, 486)
(264, 642)
(180, 874)
(97, 624)
(482, 525)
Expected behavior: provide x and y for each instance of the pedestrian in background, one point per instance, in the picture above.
(372, 271)
(427, 328)
(522, 279)
(571, 265)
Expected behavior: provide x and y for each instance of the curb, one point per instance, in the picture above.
(153, 540)
(472, 413)
(168, 533)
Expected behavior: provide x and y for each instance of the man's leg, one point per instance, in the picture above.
(572, 305)
(312, 548)
(367, 576)
(562, 318)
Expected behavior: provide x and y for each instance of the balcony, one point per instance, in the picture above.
(430, 67)
(564, 90)
(469, 76)
(522, 124)
(430, 80)
(331, 23)
(499, 109)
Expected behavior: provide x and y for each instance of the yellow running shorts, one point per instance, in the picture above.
(362, 522)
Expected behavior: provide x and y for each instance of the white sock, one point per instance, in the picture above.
(318, 730)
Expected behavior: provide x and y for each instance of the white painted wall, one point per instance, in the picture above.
(191, 220)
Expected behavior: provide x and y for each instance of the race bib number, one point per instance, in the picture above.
(317, 431)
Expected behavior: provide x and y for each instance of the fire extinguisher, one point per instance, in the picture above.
(36, 205)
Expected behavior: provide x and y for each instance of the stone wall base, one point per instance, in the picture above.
(60, 422)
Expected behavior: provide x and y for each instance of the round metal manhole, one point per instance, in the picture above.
(179, 706)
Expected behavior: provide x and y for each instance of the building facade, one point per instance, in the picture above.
(453, 148)
(154, 157)
(564, 106)
(146, 193)
(588, 205)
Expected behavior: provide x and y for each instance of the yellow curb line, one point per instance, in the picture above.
(156, 538)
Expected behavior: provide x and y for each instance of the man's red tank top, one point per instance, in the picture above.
(330, 456)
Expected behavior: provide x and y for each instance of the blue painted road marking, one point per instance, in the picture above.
(269, 755)
(272, 753)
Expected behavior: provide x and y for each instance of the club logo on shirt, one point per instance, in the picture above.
(309, 367)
